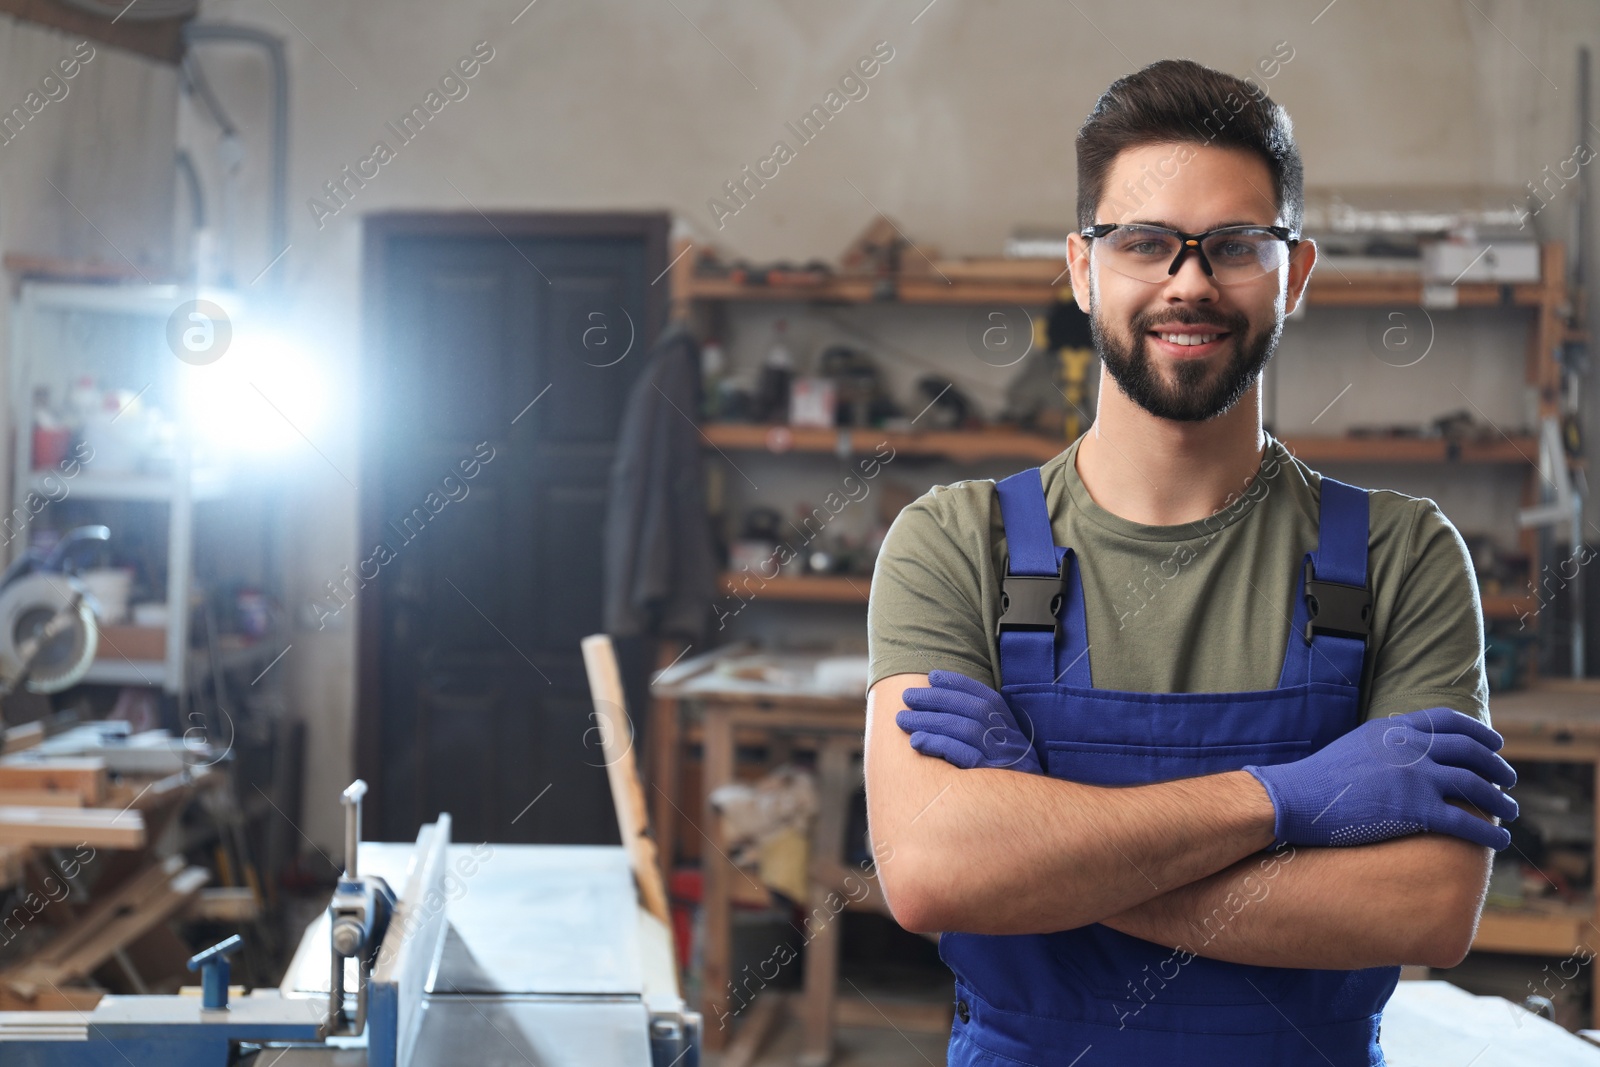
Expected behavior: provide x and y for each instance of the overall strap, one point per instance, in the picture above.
(1041, 596)
(1333, 606)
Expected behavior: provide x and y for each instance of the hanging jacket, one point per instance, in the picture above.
(658, 556)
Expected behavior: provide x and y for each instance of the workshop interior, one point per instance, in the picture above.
(612, 338)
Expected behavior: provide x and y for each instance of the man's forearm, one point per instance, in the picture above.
(1409, 900)
(999, 852)
(1004, 853)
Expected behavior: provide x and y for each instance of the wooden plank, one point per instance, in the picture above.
(13, 864)
(616, 740)
(716, 875)
(21, 738)
(835, 784)
(68, 998)
(40, 798)
(665, 740)
(64, 827)
(225, 904)
(1531, 933)
(145, 794)
(84, 776)
(127, 895)
(959, 445)
(832, 588)
(159, 39)
(109, 926)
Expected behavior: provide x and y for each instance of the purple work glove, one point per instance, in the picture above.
(965, 723)
(1389, 777)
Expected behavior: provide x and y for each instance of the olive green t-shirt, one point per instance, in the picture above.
(1202, 607)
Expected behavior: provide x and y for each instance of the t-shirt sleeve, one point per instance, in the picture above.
(1432, 654)
(925, 608)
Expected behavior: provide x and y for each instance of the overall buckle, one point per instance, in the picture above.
(1336, 608)
(1032, 601)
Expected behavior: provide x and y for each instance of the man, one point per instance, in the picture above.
(1181, 745)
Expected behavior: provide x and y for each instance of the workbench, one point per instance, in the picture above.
(783, 706)
(1557, 721)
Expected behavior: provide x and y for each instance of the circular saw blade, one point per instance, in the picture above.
(27, 607)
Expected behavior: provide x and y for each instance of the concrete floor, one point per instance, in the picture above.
(857, 1047)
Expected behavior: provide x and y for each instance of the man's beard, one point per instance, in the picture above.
(1197, 392)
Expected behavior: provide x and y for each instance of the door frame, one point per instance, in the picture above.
(378, 230)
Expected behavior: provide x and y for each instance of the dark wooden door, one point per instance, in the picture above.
(499, 357)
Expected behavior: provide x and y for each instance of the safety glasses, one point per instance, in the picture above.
(1230, 255)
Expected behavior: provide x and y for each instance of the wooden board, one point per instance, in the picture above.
(66, 827)
(225, 904)
(616, 739)
(40, 798)
(86, 777)
(109, 925)
(21, 738)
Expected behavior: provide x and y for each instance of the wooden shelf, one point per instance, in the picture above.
(1326, 289)
(1378, 290)
(968, 446)
(823, 588)
(907, 289)
(1313, 450)
(1502, 606)
(965, 446)
(1555, 932)
(854, 588)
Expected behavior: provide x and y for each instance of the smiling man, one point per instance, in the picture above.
(1208, 830)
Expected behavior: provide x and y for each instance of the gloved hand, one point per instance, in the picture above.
(1389, 777)
(966, 723)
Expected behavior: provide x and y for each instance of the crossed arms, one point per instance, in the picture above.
(986, 850)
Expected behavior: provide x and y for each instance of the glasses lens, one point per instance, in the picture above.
(1140, 252)
(1244, 254)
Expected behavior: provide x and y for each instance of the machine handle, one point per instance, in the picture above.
(212, 963)
(351, 799)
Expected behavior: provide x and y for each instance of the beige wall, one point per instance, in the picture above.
(964, 134)
(103, 139)
(105, 142)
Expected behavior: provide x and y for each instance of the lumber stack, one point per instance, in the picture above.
(110, 925)
(93, 790)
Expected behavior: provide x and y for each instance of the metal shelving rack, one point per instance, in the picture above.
(43, 353)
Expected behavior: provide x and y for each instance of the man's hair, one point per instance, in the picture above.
(1179, 101)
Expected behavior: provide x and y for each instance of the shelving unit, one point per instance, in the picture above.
(40, 354)
(695, 295)
(1554, 722)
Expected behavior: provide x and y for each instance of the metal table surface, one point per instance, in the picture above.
(548, 959)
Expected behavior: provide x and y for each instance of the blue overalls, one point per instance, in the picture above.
(1118, 1000)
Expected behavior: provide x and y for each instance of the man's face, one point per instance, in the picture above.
(1140, 328)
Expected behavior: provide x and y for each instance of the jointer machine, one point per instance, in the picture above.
(516, 955)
